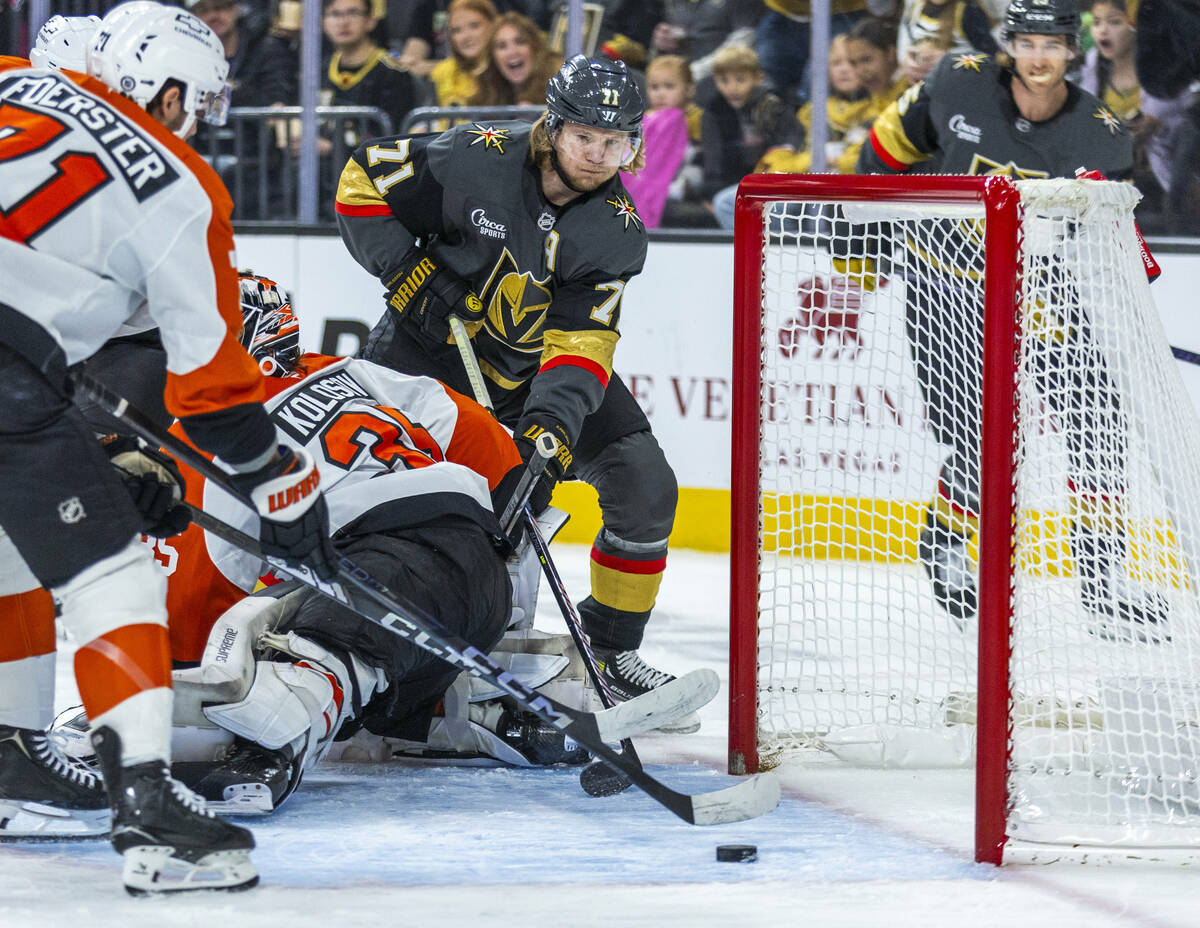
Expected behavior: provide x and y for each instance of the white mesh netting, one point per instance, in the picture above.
(869, 502)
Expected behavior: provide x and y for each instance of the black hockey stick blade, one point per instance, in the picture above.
(378, 604)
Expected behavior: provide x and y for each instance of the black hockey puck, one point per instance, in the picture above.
(737, 853)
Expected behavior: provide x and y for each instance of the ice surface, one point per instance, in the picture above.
(413, 846)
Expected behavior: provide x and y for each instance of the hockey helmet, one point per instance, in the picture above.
(136, 51)
(594, 92)
(270, 330)
(1042, 17)
(62, 42)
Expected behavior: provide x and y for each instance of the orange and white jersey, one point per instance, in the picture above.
(109, 224)
(393, 451)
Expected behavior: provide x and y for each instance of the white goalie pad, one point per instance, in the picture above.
(525, 571)
(284, 702)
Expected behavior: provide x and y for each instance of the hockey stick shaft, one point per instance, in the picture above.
(377, 604)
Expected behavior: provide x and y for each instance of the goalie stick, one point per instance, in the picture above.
(378, 604)
(597, 778)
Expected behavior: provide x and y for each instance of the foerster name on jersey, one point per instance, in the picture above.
(138, 160)
(307, 410)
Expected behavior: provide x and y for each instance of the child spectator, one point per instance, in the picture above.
(468, 23)
(848, 115)
(739, 125)
(518, 64)
(960, 26)
(1110, 72)
(665, 134)
(872, 48)
(921, 58)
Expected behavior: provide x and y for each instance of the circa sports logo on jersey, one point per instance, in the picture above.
(963, 129)
(137, 159)
(516, 304)
(488, 228)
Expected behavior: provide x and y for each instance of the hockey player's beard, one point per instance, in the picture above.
(562, 175)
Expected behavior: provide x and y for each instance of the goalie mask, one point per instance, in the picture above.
(62, 43)
(270, 330)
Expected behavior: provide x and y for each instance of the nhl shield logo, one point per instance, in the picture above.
(71, 511)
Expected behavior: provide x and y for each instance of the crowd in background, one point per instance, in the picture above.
(726, 81)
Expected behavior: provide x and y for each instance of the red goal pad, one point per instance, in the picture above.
(965, 502)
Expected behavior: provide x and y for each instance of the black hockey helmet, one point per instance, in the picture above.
(270, 330)
(1042, 17)
(594, 92)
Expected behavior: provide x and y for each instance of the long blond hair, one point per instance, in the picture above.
(493, 89)
(540, 148)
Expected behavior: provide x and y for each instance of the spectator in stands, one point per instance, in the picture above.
(739, 126)
(921, 57)
(872, 47)
(697, 29)
(1168, 60)
(960, 26)
(848, 114)
(359, 72)
(468, 23)
(262, 70)
(665, 134)
(783, 39)
(411, 32)
(1110, 72)
(518, 64)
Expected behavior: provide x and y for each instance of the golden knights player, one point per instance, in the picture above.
(527, 233)
(975, 115)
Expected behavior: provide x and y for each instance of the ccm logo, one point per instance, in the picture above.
(293, 494)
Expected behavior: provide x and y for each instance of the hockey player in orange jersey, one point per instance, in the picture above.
(112, 225)
(409, 468)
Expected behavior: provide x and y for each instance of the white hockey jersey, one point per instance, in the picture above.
(393, 451)
(109, 224)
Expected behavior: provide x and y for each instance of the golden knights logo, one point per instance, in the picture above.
(989, 168)
(625, 210)
(1110, 120)
(490, 136)
(969, 62)
(517, 304)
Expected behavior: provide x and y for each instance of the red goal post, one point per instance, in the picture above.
(1036, 250)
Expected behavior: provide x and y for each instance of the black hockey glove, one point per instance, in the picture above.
(155, 483)
(293, 517)
(422, 288)
(524, 436)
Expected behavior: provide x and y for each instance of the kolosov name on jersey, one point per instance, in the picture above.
(138, 160)
(306, 410)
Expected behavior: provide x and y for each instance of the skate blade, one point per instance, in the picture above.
(22, 820)
(152, 870)
(243, 799)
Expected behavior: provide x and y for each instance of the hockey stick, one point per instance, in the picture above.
(376, 603)
(597, 779)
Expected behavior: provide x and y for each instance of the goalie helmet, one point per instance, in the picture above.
(62, 42)
(594, 92)
(1042, 17)
(139, 46)
(270, 330)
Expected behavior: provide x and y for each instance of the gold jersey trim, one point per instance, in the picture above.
(598, 346)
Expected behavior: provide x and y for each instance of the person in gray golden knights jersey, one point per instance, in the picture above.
(527, 234)
(1021, 118)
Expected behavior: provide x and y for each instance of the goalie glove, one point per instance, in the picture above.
(422, 288)
(154, 483)
(293, 516)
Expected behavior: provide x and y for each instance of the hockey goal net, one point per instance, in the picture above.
(946, 554)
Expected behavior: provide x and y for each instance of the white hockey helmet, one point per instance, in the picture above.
(135, 52)
(62, 42)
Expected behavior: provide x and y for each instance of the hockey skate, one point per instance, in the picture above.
(1118, 613)
(252, 780)
(170, 842)
(628, 676)
(943, 553)
(44, 793)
